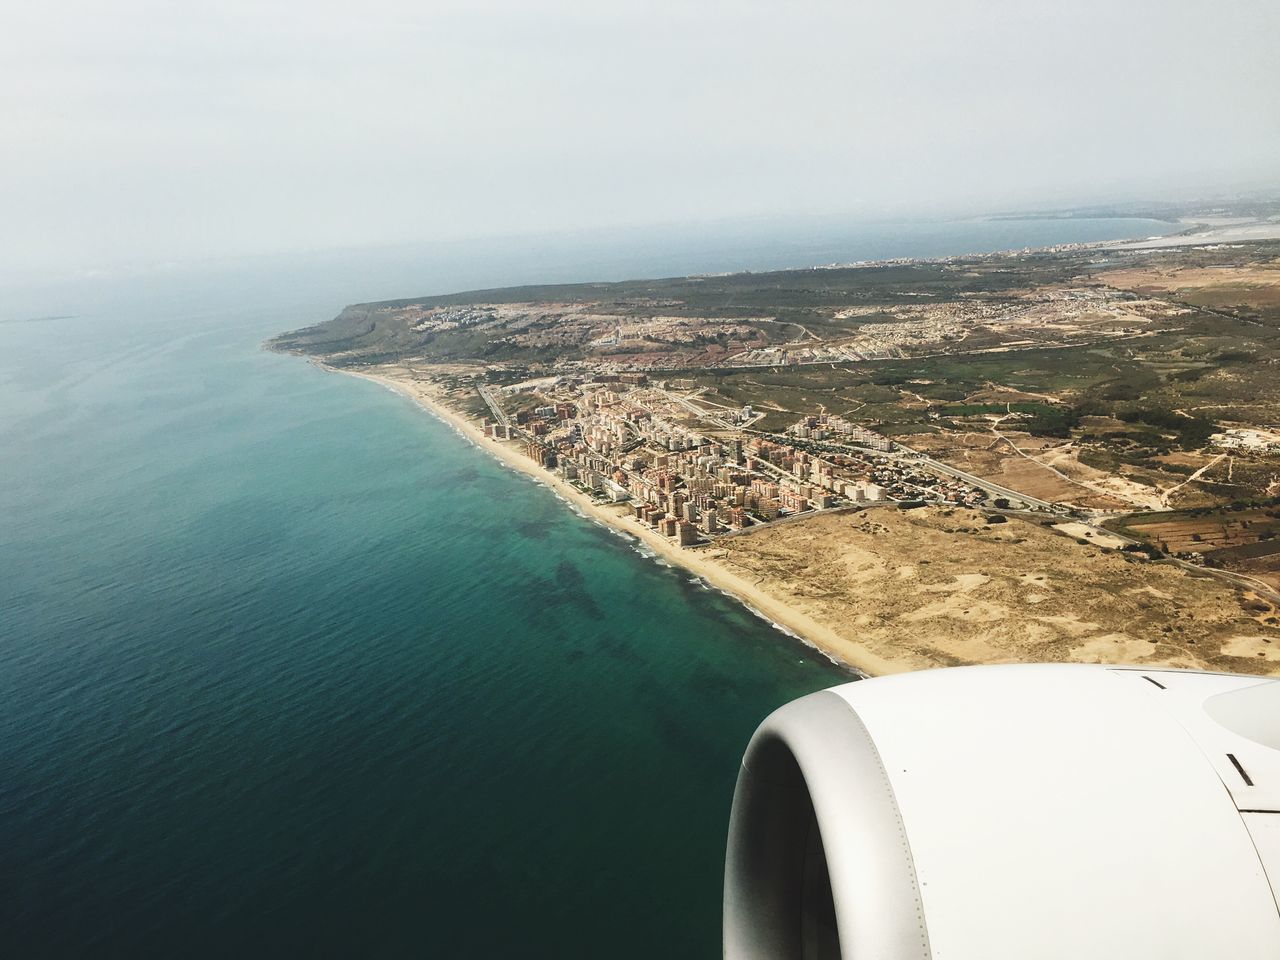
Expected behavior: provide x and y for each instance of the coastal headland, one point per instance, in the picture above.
(1059, 455)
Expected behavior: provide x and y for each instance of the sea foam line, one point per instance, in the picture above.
(791, 633)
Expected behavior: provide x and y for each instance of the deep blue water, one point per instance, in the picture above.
(288, 668)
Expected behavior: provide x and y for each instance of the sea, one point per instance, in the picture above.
(290, 668)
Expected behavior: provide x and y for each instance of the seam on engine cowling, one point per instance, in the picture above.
(903, 840)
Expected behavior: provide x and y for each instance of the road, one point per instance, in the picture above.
(697, 411)
(487, 396)
(994, 489)
(1166, 494)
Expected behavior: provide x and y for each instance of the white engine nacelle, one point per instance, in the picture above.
(1011, 813)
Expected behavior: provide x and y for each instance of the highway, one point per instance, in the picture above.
(910, 455)
(916, 457)
(487, 396)
(994, 489)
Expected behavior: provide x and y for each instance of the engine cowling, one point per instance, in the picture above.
(1035, 811)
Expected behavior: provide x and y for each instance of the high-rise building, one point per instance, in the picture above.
(709, 524)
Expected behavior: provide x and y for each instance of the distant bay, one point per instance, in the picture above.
(289, 668)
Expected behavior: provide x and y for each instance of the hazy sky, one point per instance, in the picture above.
(136, 131)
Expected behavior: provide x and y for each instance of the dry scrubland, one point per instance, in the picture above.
(1254, 284)
(1040, 467)
(940, 587)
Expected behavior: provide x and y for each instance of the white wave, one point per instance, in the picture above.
(781, 628)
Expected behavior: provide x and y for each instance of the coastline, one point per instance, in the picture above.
(701, 562)
(1198, 231)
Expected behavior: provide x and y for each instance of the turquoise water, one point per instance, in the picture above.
(289, 668)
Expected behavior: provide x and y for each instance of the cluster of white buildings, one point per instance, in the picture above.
(831, 426)
(1247, 440)
(604, 429)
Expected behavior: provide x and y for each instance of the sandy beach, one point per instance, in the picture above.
(887, 591)
(699, 561)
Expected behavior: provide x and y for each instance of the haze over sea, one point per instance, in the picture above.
(288, 668)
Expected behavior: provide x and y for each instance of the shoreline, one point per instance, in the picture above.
(843, 651)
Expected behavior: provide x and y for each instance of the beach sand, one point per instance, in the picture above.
(885, 591)
(698, 561)
(1205, 230)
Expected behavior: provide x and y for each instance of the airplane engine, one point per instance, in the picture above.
(1011, 813)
